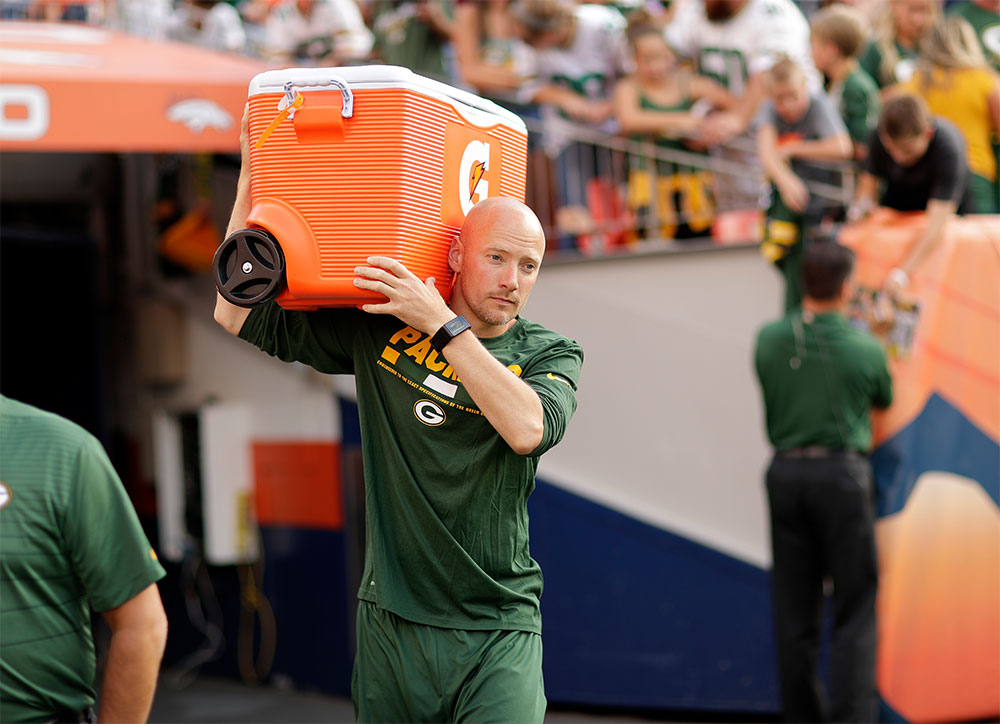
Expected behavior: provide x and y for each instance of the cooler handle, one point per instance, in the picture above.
(290, 94)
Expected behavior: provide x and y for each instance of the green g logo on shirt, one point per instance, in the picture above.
(428, 413)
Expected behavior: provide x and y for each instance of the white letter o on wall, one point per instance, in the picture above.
(28, 126)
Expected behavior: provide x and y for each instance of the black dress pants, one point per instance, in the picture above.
(822, 524)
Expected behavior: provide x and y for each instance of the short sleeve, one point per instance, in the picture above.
(882, 392)
(950, 166)
(861, 104)
(875, 163)
(680, 32)
(828, 121)
(554, 377)
(322, 339)
(109, 552)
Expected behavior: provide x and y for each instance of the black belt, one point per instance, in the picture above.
(86, 716)
(815, 452)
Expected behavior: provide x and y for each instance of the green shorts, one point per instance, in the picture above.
(409, 672)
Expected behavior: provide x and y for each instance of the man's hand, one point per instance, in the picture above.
(415, 302)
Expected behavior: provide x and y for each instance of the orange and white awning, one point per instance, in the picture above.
(70, 87)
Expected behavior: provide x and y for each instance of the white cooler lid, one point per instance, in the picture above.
(478, 111)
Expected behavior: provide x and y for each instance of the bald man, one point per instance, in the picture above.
(457, 402)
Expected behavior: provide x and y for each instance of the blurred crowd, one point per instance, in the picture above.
(645, 114)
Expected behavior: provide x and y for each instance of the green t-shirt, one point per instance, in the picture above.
(447, 523)
(69, 541)
(987, 27)
(857, 99)
(820, 381)
(871, 63)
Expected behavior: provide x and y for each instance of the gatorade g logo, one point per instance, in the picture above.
(428, 413)
(471, 171)
(475, 164)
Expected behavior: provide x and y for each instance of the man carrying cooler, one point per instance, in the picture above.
(457, 402)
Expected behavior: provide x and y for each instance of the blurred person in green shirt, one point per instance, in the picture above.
(820, 379)
(71, 542)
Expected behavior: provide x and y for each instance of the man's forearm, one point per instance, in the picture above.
(938, 215)
(511, 406)
(130, 677)
(229, 315)
(241, 207)
(138, 637)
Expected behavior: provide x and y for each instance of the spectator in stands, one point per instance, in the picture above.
(798, 128)
(145, 18)
(490, 54)
(317, 32)
(211, 24)
(954, 79)
(892, 54)
(984, 17)
(580, 52)
(735, 42)
(655, 104)
(920, 161)
(415, 34)
(838, 32)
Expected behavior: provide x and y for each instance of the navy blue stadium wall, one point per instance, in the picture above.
(634, 616)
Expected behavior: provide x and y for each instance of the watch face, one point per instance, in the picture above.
(456, 325)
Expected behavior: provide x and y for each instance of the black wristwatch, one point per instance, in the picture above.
(449, 331)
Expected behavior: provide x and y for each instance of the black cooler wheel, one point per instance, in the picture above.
(249, 268)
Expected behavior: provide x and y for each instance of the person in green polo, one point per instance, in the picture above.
(71, 543)
(457, 403)
(820, 378)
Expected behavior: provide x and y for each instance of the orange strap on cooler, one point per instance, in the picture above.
(285, 113)
(323, 124)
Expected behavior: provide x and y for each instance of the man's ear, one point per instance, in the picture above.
(455, 254)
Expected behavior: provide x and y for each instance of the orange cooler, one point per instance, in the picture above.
(354, 161)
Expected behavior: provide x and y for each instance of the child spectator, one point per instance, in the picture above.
(654, 104)
(838, 32)
(580, 52)
(735, 42)
(984, 17)
(892, 53)
(796, 128)
(955, 81)
(919, 161)
(317, 32)
(414, 34)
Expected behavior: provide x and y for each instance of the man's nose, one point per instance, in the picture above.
(508, 278)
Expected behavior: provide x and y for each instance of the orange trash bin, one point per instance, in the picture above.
(356, 161)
